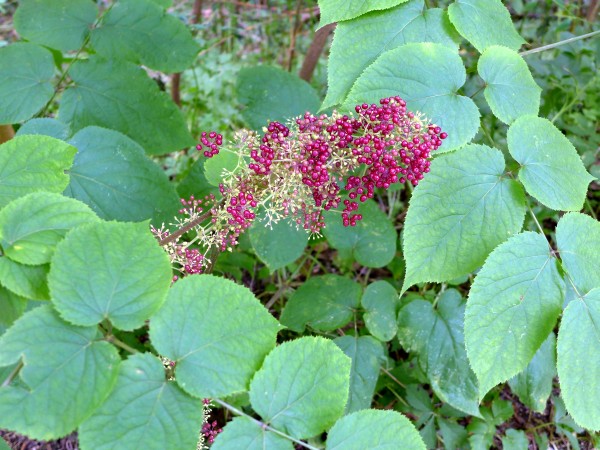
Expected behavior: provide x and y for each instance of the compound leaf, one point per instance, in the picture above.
(324, 303)
(217, 333)
(302, 386)
(458, 213)
(144, 410)
(59, 24)
(578, 241)
(120, 96)
(510, 89)
(31, 226)
(117, 180)
(367, 354)
(243, 434)
(551, 169)
(339, 10)
(427, 76)
(578, 359)
(26, 281)
(356, 431)
(484, 23)
(363, 39)
(109, 271)
(142, 32)
(26, 72)
(513, 306)
(68, 372)
(31, 164)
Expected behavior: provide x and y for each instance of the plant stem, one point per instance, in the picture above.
(13, 374)
(389, 374)
(113, 340)
(181, 231)
(263, 425)
(559, 43)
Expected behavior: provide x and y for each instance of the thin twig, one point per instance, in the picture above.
(559, 43)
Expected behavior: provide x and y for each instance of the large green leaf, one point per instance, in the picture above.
(510, 89)
(367, 354)
(31, 226)
(68, 372)
(363, 39)
(484, 23)
(26, 72)
(46, 127)
(372, 241)
(112, 174)
(217, 333)
(578, 241)
(338, 10)
(243, 434)
(551, 169)
(270, 93)
(323, 302)
(142, 32)
(120, 96)
(278, 245)
(513, 306)
(579, 359)
(26, 281)
(428, 78)
(437, 336)
(459, 212)
(59, 24)
(32, 164)
(144, 410)
(109, 271)
(302, 386)
(375, 430)
(533, 386)
(380, 300)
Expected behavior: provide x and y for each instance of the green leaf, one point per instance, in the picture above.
(515, 440)
(484, 23)
(458, 213)
(578, 241)
(45, 127)
(109, 271)
(372, 241)
(513, 306)
(551, 170)
(579, 359)
(26, 281)
(31, 226)
(120, 96)
(324, 303)
(243, 434)
(272, 94)
(59, 24)
(142, 32)
(380, 300)
(428, 78)
(533, 386)
(12, 307)
(375, 430)
(367, 355)
(510, 89)
(32, 164)
(55, 392)
(117, 180)
(338, 10)
(195, 182)
(144, 410)
(279, 244)
(26, 72)
(437, 336)
(302, 386)
(219, 165)
(363, 39)
(216, 331)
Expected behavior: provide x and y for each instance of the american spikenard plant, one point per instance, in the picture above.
(300, 172)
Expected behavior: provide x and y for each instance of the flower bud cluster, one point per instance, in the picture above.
(298, 171)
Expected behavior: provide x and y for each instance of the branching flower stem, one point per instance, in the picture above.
(263, 425)
(187, 227)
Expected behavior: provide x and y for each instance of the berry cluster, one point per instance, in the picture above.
(299, 172)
